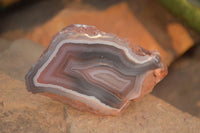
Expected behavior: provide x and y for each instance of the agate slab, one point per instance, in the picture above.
(95, 71)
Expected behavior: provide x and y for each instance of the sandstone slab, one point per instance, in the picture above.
(141, 22)
(181, 87)
(21, 111)
(4, 44)
(17, 57)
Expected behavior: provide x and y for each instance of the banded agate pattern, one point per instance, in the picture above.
(93, 70)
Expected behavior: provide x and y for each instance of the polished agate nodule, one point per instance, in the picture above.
(94, 71)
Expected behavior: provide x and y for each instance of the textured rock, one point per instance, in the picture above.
(21, 111)
(144, 22)
(181, 87)
(4, 44)
(130, 22)
(15, 59)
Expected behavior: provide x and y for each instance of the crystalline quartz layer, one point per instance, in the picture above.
(94, 71)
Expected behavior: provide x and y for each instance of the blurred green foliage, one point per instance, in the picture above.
(186, 10)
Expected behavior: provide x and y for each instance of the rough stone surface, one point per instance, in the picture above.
(144, 22)
(4, 44)
(15, 60)
(21, 111)
(165, 34)
(181, 87)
